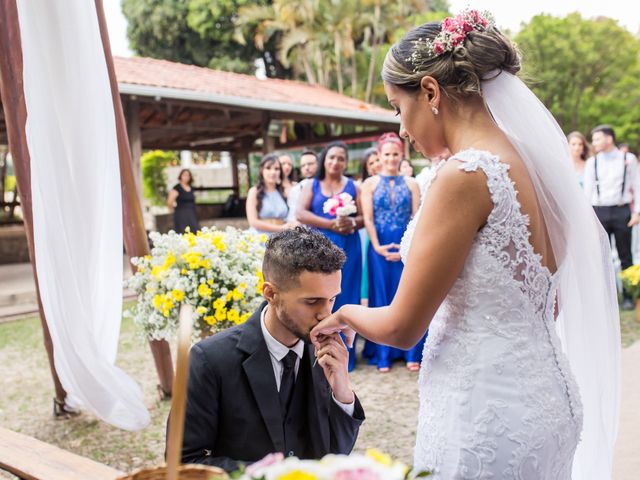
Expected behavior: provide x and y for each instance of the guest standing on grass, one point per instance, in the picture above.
(182, 201)
(369, 166)
(289, 178)
(579, 150)
(308, 170)
(406, 168)
(342, 231)
(611, 177)
(389, 200)
(266, 205)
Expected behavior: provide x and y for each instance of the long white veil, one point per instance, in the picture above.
(588, 321)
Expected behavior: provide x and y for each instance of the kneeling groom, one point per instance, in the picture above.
(254, 389)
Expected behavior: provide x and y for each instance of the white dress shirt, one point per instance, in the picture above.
(293, 198)
(277, 351)
(610, 176)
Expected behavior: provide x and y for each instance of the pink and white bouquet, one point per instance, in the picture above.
(341, 205)
(373, 465)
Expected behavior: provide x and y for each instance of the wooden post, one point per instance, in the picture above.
(268, 143)
(15, 112)
(135, 236)
(135, 141)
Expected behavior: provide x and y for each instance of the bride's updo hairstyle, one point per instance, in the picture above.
(458, 53)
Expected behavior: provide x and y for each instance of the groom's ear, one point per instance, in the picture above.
(268, 292)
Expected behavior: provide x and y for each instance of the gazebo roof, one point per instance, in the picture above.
(170, 105)
(176, 80)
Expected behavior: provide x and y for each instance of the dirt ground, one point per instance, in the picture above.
(390, 402)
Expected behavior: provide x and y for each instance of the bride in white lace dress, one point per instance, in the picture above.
(503, 252)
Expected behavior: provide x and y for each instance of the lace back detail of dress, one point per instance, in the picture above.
(506, 234)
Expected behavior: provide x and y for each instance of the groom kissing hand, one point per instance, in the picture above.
(257, 388)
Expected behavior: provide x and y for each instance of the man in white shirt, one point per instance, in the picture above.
(261, 387)
(612, 184)
(308, 169)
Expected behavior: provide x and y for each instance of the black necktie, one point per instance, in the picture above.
(287, 381)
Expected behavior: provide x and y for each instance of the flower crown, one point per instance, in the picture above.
(453, 32)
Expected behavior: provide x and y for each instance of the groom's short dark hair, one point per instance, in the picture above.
(290, 252)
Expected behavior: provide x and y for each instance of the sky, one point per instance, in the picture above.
(508, 14)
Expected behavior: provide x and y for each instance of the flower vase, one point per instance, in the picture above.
(638, 310)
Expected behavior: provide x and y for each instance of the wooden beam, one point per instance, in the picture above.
(15, 111)
(268, 142)
(328, 138)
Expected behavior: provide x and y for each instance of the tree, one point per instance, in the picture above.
(334, 43)
(197, 32)
(584, 70)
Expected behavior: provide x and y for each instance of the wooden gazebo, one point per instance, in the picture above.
(173, 106)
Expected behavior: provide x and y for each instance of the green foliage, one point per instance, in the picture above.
(154, 178)
(195, 32)
(337, 44)
(585, 71)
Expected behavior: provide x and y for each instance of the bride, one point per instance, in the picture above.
(505, 264)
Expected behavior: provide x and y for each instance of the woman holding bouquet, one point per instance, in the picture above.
(389, 200)
(266, 206)
(340, 228)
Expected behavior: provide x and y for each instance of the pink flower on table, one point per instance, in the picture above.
(267, 461)
(356, 474)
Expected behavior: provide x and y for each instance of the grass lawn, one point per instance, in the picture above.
(27, 390)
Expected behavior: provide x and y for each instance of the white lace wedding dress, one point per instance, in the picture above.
(497, 398)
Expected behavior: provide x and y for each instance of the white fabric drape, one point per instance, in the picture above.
(588, 321)
(77, 209)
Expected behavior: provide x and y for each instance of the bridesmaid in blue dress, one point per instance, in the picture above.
(389, 200)
(342, 231)
(267, 208)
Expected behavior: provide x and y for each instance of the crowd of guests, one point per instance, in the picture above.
(385, 197)
(609, 175)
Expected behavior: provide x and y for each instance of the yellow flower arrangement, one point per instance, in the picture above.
(631, 280)
(218, 272)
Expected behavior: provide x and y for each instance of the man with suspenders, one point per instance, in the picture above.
(612, 184)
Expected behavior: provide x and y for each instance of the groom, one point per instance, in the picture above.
(255, 389)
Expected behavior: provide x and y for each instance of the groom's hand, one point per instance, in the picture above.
(333, 357)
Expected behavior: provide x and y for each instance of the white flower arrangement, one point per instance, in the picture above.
(219, 273)
(373, 465)
(341, 205)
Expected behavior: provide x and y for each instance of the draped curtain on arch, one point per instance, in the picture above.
(70, 140)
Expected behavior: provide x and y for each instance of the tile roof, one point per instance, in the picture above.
(164, 74)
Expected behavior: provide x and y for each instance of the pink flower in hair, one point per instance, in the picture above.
(457, 39)
(449, 24)
(438, 47)
(465, 26)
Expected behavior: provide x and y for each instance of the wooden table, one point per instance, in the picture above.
(31, 459)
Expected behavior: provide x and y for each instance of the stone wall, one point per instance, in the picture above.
(13, 245)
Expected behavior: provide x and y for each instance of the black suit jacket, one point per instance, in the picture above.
(233, 412)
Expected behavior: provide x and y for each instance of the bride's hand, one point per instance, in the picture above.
(330, 325)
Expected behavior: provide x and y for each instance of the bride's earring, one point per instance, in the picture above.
(434, 110)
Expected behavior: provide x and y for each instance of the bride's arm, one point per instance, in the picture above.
(455, 208)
